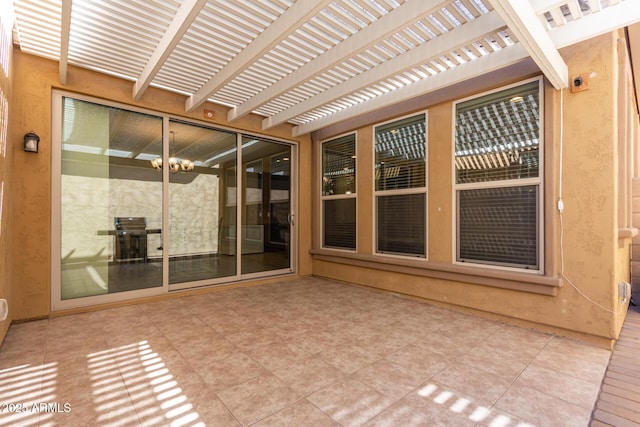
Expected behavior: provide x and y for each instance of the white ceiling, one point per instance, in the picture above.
(312, 63)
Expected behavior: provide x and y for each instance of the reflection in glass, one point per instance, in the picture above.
(498, 136)
(111, 206)
(339, 193)
(401, 154)
(202, 204)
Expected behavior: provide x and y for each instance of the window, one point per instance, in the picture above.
(339, 193)
(401, 186)
(497, 157)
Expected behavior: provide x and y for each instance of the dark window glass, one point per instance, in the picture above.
(339, 166)
(402, 224)
(339, 223)
(499, 225)
(339, 193)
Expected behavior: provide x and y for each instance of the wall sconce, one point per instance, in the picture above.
(31, 141)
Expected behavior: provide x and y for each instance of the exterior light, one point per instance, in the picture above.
(31, 141)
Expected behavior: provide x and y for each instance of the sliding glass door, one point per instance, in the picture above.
(202, 207)
(110, 201)
(146, 204)
(266, 207)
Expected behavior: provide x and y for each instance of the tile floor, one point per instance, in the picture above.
(308, 352)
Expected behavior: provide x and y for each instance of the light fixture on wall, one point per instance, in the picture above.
(31, 140)
(175, 163)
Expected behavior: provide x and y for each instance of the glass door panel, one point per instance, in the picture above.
(111, 200)
(266, 206)
(202, 203)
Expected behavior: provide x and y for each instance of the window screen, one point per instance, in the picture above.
(339, 193)
(498, 180)
(401, 186)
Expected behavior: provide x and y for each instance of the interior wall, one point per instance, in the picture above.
(6, 166)
(591, 249)
(34, 80)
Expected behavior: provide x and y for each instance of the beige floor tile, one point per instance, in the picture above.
(542, 409)
(258, 398)
(359, 356)
(225, 373)
(512, 338)
(209, 347)
(570, 364)
(316, 342)
(20, 382)
(381, 344)
(229, 322)
(91, 401)
(277, 355)
(25, 337)
(419, 360)
(14, 360)
(578, 350)
(562, 386)
(348, 358)
(483, 388)
(126, 334)
(177, 403)
(500, 362)
(420, 326)
(403, 414)
(446, 405)
(309, 375)
(301, 413)
(350, 403)
(495, 417)
(86, 414)
(444, 345)
(290, 327)
(77, 345)
(388, 378)
(246, 340)
(470, 331)
(184, 325)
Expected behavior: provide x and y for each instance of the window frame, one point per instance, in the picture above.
(352, 195)
(538, 181)
(403, 191)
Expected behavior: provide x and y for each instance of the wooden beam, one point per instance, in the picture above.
(475, 29)
(522, 20)
(280, 29)
(389, 24)
(65, 29)
(183, 19)
(479, 66)
(609, 19)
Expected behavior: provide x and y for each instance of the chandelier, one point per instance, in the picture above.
(175, 163)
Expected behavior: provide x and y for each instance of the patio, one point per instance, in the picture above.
(301, 352)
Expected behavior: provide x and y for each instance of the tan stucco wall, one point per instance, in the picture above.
(594, 259)
(32, 86)
(6, 167)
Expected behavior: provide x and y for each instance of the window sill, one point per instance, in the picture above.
(627, 233)
(524, 282)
